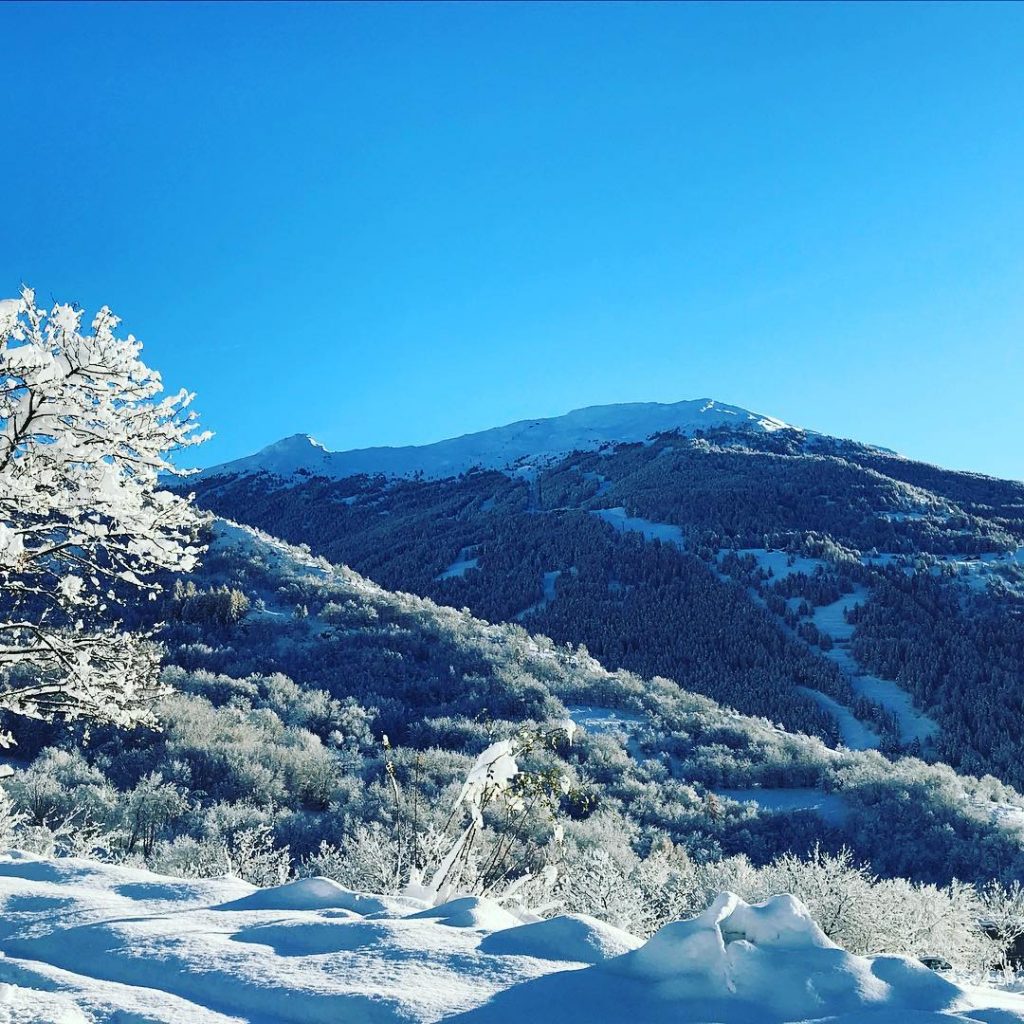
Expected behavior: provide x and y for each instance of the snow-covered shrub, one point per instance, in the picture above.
(854, 908)
(61, 784)
(186, 857)
(368, 860)
(497, 837)
(73, 835)
(499, 849)
(252, 856)
(150, 808)
(862, 913)
(11, 819)
(868, 915)
(603, 876)
(1003, 913)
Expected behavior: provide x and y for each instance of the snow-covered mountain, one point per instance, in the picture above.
(528, 441)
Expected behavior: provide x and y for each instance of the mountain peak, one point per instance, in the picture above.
(526, 442)
(298, 443)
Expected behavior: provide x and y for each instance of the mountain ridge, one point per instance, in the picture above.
(510, 446)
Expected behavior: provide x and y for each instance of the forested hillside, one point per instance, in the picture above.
(832, 587)
(287, 672)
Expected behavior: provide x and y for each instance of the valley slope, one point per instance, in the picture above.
(830, 586)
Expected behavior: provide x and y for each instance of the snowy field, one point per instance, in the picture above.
(86, 943)
(665, 532)
(831, 618)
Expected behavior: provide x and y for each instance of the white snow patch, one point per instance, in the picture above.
(575, 937)
(470, 912)
(459, 568)
(913, 723)
(604, 720)
(549, 582)
(462, 564)
(604, 485)
(322, 894)
(829, 806)
(667, 533)
(831, 618)
(855, 734)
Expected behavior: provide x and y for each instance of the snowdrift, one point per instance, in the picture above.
(742, 964)
(88, 943)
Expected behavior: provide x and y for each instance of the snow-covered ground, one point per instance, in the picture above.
(667, 533)
(87, 943)
(831, 618)
(855, 734)
(604, 485)
(780, 563)
(830, 806)
(549, 583)
(914, 724)
(602, 720)
(462, 564)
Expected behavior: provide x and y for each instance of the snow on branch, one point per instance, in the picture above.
(85, 434)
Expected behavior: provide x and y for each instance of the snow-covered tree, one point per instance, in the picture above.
(85, 435)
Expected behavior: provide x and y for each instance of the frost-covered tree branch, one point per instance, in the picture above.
(85, 434)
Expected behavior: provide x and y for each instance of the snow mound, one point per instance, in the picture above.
(320, 894)
(470, 912)
(30, 1006)
(742, 964)
(575, 937)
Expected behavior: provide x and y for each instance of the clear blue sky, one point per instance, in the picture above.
(388, 224)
